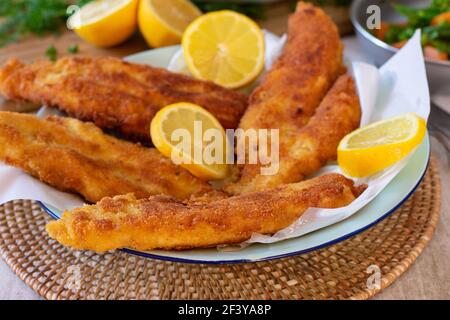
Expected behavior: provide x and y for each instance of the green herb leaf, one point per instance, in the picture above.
(40, 17)
(51, 53)
(83, 2)
(421, 17)
(73, 49)
(442, 46)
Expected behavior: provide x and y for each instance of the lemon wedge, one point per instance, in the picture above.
(184, 132)
(162, 22)
(377, 146)
(105, 23)
(224, 47)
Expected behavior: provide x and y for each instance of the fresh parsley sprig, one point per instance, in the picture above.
(23, 17)
(20, 18)
(421, 17)
(436, 35)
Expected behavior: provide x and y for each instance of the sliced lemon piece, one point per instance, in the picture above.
(224, 47)
(193, 138)
(105, 23)
(162, 22)
(377, 146)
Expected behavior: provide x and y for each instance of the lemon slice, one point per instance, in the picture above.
(178, 132)
(379, 145)
(224, 47)
(105, 23)
(162, 22)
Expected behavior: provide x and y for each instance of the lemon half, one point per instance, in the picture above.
(162, 22)
(225, 47)
(105, 23)
(377, 146)
(178, 132)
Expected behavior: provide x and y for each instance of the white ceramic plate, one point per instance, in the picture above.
(393, 196)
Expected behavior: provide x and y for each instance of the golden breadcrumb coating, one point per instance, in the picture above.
(311, 146)
(290, 99)
(115, 94)
(78, 157)
(162, 222)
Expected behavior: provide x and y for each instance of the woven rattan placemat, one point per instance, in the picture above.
(336, 272)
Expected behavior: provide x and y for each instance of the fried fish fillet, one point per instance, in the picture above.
(289, 97)
(115, 94)
(162, 222)
(78, 157)
(295, 85)
(307, 149)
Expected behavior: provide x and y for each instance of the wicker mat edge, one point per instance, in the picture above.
(386, 279)
(415, 252)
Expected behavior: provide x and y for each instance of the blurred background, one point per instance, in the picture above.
(20, 19)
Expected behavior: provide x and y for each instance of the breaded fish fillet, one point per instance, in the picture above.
(115, 94)
(288, 99)
(295, 85)
(163, 222)
(307, 149)
(78, 157)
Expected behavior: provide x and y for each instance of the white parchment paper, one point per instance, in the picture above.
(400, 86)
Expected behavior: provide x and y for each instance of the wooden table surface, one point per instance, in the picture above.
(428, 278)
